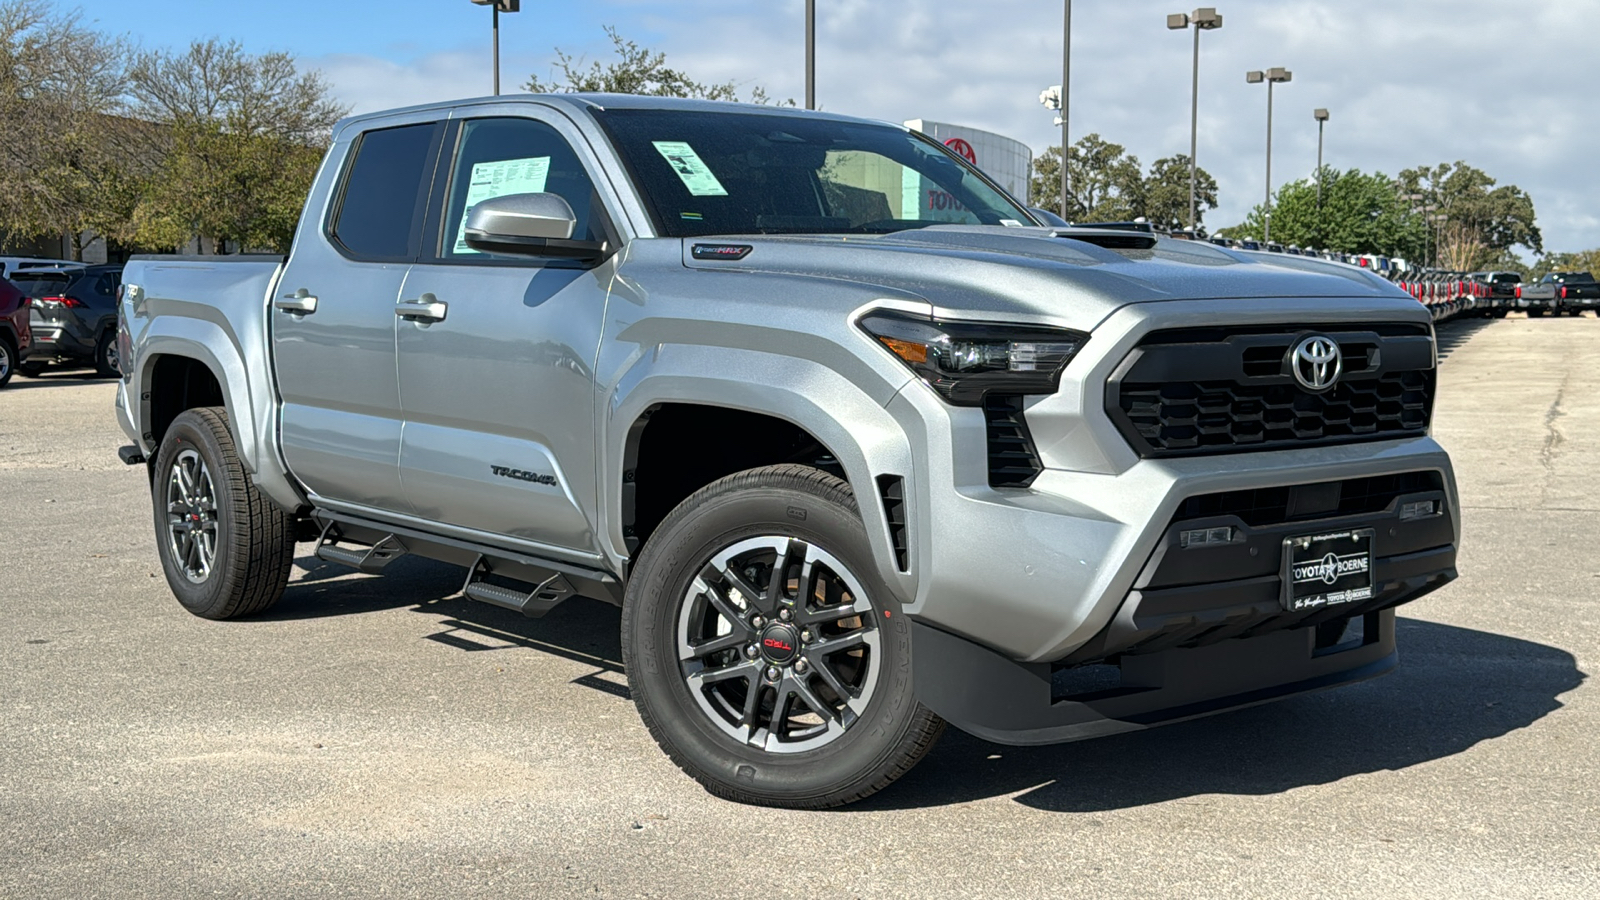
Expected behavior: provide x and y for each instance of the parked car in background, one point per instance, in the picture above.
(1542, 297)
(15, 335)
(1500, 291)
(1575, 292)
(73, 317)
(10, 265)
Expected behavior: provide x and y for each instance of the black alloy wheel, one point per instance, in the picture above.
(107, 360)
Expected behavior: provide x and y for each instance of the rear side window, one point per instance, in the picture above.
(379, 207)
(37, 286)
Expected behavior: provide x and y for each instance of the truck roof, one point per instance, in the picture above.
(579, 102)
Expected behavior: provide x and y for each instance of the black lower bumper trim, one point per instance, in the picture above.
(130, 455)
(997, 699)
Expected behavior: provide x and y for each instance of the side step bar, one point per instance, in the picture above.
(371, 559)
(533, 604)
(528, 584)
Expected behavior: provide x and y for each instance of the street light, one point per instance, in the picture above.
(1203, 19)
(1271, 77)
(1322, 119)
(499, 6)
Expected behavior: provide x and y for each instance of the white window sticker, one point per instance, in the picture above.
(691, 169)
(501, 178)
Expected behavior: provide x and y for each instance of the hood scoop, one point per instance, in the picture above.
(1109, 238)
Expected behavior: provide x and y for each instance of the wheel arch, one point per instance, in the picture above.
(863, 441)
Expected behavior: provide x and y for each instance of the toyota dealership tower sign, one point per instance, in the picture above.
(1007, 161)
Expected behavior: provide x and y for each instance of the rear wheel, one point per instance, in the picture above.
(226, 549)
(765, 654)
(8, 359)
(105, 355)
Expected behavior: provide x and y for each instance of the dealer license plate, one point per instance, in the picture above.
(1327, 569)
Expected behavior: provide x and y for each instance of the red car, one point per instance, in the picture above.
(14, 334)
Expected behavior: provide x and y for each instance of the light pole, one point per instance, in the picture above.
(1322, 119)
(1203, 19)
(811, 54)
(1066, 93)
(499, 6)
(1271, 77)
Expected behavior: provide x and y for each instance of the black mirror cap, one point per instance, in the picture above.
(537, 248)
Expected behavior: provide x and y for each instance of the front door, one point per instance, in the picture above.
(333, 321)
(496, 363)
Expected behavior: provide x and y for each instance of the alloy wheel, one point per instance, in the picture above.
(192, 516)
(778, 644)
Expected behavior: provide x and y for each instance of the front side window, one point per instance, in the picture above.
(500, 157)
(704, 173)
(378, 213)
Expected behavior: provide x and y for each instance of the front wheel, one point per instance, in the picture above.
(226, 549)
(765, 654)
(8, 359)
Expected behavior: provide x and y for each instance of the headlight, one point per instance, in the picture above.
(963, 361)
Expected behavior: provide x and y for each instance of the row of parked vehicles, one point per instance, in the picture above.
(57, 312)
(1496, 294)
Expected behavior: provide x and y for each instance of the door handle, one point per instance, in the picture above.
(426, 308)
(299, 303)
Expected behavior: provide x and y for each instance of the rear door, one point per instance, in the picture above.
(498, 391)
(333, 321)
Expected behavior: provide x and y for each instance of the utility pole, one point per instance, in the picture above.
(1066, 92)
(1203, 19)
(498, 7)
(1271, 77)
(811, 54)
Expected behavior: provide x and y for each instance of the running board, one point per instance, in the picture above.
(534, 603)
(539, 582)
(371, 559)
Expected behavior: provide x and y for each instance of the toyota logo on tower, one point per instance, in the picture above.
(1316, 362)
(963, 149)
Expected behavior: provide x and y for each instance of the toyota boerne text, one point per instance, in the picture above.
(857, 444)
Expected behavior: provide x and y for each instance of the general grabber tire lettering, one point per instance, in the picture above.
(765, 654)
(226, 549)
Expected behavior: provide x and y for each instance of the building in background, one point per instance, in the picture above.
(1007, 161)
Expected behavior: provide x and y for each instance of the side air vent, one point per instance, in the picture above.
(1013, 462)
(1111, 239)
(892, 491)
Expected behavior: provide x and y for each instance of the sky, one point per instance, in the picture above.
(1407, 83)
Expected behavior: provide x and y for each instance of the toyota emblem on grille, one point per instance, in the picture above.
(1316, 362)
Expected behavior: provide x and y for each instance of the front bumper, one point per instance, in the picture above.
(999, 700)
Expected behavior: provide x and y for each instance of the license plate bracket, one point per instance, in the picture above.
(1329, 569)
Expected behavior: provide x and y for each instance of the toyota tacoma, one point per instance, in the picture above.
(858, 445)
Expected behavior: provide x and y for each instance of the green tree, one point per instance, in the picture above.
(1166, 191)
(1581, 261)
(1359, 213)
(1481, 220)
(68, 162)
(244, 136)
(1107, 184)
(634, 71)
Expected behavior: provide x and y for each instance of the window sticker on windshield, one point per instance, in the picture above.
(501, 178)
(691, 169)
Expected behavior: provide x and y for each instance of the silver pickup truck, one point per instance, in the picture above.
(859, 446)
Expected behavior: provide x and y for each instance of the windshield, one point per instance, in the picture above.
(703, 173)
(37, 286)
(1507, 278)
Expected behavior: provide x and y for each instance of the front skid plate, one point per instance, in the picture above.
(994, 698)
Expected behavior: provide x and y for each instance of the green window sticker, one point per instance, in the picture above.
(501, 178)
(691, 169)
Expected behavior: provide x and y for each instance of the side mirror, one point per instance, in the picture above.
(532, 225)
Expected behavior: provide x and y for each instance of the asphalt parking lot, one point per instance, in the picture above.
(382, 737)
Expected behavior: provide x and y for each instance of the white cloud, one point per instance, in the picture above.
(1408, 84)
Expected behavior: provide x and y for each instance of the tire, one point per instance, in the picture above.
(877, 730)
(250, 538)
(9, 359)
(105, 355)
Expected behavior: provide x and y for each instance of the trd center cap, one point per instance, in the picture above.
(780, 643)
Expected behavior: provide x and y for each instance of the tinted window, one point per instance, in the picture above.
(500, 157)
(738, 173)
(1507, 278)
(379, 208)
(37, 286)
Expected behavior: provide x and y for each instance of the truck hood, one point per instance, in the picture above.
(994, 271)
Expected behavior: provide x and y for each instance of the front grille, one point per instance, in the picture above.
(1211, 391)
(1013, 462)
